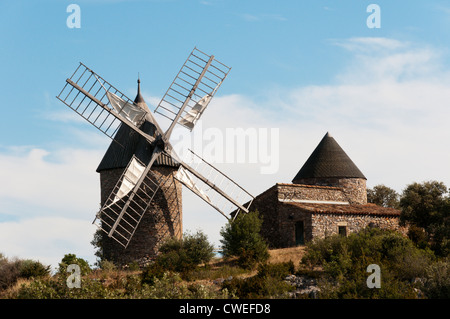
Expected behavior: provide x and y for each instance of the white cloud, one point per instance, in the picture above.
(384, 59)
(62, 181)
(49, 199)
(369, 44)
(47, 239)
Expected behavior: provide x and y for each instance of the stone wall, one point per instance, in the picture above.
(267, 205)
(325, 224)
(321, 225)
(163, 219)
(354, 188)
(289, 215)
(310, 192)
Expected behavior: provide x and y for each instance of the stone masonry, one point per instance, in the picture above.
(320, 209)
(163, 219)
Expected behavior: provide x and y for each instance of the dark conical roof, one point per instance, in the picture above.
(328, 160)
(132, 143)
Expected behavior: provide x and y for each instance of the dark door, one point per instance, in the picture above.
(299, 233)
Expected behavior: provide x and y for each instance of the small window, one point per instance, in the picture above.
(342, 230)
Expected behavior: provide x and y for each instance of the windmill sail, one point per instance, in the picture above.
(123, 210)
(130, 178)
(100, 103)
(132, 112)
(192, 89)
(183, 176)
(190, 118)
(213, 186)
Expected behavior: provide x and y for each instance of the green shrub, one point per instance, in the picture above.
(69, 259)
(56, 288)
(257, 287)
(33, 269)
(276, 270)
(418, 236)
(107, 265)
(198, 248)
(12, 270)
(9, 272)
(437, 280)
(152, 272)
(267, 283)
(184, 255)
(170, 286)
(344, 261)
(242, 238)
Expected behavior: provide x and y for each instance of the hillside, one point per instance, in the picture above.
(115, 283)
(340, 272)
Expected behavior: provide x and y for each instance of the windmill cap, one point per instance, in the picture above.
(328, 160)
(139, 98)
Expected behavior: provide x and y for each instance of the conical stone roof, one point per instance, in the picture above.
(328, 160)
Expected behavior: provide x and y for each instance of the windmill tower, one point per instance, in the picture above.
(162, 220)
(141, 174)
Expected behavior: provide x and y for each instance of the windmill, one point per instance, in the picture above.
(135, 192)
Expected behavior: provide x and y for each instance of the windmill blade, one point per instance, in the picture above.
(213, 186)
(101, 104)
(192, 89)
(121, 224)
(121, 213)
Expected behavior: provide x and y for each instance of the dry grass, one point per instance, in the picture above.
(11, 292)
(286, 254)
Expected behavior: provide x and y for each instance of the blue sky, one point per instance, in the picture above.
(302, 67)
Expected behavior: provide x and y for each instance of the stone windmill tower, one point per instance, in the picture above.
(164, 217)
(141, 174)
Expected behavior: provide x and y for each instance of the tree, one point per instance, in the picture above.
(242, 238)
(69, 259)
(383, 196)
(198, 248)
(427, 205)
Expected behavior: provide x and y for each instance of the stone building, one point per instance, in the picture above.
(327, 196)
(164, 216)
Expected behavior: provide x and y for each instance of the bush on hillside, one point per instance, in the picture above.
(33, 269)
(344, 261)
(69, 259)
(437, 280)
(12, 270)
(267, 283)
(242, 238)
(179, 255)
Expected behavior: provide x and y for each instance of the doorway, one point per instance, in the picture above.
(299, 233)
